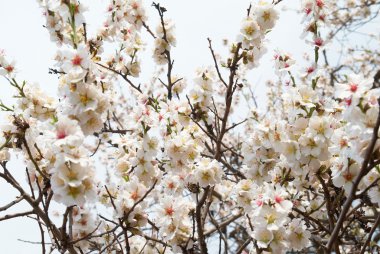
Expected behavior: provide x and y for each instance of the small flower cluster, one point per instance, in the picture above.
(174, 221)
(315, 12)
(349, 141)
(201, 95)
(254, 28)
(35, 103)
(267, 208)
(283, 62)
(64, 20)
(7, 68)
(164, 42)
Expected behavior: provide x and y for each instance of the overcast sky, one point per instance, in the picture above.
(25, 40)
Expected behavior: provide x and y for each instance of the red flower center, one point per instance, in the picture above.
(9, 68)
(310, 70)
(348, 177)
(320, 3)
(77, 60)
(61, 134)
(318, 42)
(348, 101)
(353, 87)
(134, 195)
(343, 143)
(278, 199)
(169, 211)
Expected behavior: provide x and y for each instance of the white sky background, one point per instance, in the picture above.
(24, 39)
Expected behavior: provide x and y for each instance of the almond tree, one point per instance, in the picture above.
(165, 167)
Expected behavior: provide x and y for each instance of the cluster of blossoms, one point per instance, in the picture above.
(123, 25)
(354, 132)
(200, 96)
(352, 12)
(315, 19)
(175, 225)
(267, 208)
(164, 42)
(283, 62)
(84, 224)
(315, 12)
(81, 111)
(254, 28)
(64, 20)
(154, 171)
(318, 134)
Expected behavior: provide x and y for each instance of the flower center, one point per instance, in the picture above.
(348, 101)
(271, 218)
(259, 202)
(169, 211)
(343, 143)
(171, 185)
(77, 60)
(318, 42)
(278, 199)
(310, 70)
(266, 16)
(250, 30)
(353, 87)
(9, 68)
(348, 177)
(61, 134)
(320, 3)
(134, 195)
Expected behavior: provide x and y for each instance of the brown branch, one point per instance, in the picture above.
(198, 215)
(219, 229)
(224, 224)
(3, 208)
(316, 221)
(373, 229)
(15, 215)
(148, 30)
(245, 244)
(141, 199)
(36, 209)
(216, 63)
(125, 77)
(170, 84)
(149, 238)
(32, 159)
(228, 100)
(329, 207)
(235, 125)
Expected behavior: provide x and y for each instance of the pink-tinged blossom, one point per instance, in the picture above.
(353, 89)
